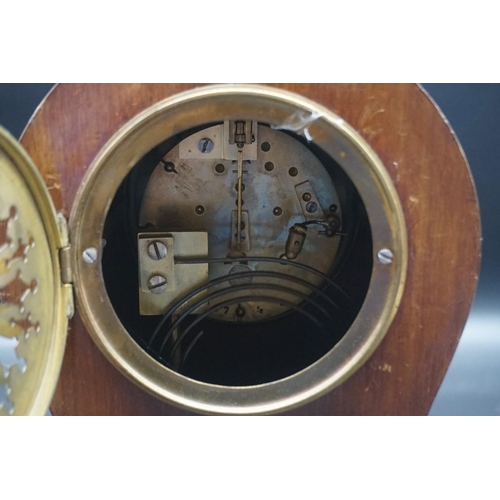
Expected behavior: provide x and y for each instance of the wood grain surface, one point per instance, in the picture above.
(428, 168)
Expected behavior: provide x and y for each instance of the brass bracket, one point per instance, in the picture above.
(309, 201)
(161, 283)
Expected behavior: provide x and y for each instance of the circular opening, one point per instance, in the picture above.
(252, 329)
(266, 318)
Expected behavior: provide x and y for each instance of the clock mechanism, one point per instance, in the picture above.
(237, 253)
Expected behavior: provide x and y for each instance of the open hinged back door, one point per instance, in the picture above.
(34, 303)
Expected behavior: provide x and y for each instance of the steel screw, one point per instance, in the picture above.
(219, 168)
(293, 171)
(269, 166)
(157, 284)
(205, 146)
(306, 196)
(199, 209)
(311, 207)
(385, 256)
(265, 146)
(157, 250)
(333, 208)
(90, 255)
(277, 211)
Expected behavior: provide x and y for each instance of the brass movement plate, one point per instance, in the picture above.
(170, 199)
(33, 302)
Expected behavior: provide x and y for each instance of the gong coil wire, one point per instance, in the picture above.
(242, 288)
(274, 260)
(238, 300)
(247, 275)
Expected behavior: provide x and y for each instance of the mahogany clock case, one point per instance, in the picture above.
(334, 402)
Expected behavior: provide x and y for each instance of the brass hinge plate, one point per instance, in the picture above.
(65, 265)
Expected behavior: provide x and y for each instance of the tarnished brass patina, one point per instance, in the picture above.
(34, 304)
(282, 110)
(168, 196)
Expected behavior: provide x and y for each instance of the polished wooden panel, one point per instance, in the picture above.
(432, 178)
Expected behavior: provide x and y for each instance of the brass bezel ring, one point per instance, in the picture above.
(275, 107)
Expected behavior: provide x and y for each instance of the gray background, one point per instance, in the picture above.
(472, 384)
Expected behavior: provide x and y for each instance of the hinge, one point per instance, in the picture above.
(65, 265)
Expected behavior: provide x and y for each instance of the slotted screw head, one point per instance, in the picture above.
(157, 283)
(157, 250)
(205, 146)
(311, 207)
(385, 256)
(90, 255)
